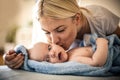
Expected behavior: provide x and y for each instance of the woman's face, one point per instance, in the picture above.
(59, 31)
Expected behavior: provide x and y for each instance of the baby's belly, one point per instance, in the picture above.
(86, 51)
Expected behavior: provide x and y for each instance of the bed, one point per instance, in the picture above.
(9, 74)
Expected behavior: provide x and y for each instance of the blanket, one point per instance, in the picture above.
(112, 66)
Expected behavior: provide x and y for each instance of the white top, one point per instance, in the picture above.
(74, 44)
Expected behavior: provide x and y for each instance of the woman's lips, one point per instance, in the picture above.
(63, 47)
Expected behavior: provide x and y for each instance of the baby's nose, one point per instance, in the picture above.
(52, 55)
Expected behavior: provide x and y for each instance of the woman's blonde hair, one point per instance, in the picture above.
(58, 8)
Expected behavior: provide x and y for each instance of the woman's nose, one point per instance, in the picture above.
(54, 38)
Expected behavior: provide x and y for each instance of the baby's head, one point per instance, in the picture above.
(48, 52)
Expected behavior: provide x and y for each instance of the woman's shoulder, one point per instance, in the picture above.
(102, 21)
(95, 7)
(101, 12)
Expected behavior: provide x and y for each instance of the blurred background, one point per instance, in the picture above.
(16, 21)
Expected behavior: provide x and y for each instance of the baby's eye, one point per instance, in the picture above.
(49, 47)
(47, 58)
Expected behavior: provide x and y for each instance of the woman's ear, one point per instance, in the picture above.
(77, 19)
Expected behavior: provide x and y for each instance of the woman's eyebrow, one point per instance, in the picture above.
(44, 29)
(55, 28)
(59, 27)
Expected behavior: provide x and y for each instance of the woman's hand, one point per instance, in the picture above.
(13, 60)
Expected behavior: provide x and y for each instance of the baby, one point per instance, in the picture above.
(56, 54)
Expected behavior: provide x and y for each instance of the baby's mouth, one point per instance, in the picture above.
(60, 56)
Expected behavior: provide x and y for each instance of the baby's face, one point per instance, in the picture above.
(50, 53)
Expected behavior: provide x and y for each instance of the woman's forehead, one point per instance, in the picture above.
(51, 23)
(47, 22)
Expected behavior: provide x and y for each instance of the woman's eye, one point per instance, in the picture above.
(47, 32)
(60, 30)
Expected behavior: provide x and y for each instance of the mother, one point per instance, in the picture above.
(63, 21)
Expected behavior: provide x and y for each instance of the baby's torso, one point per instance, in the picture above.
(83, 48)
(80, 51)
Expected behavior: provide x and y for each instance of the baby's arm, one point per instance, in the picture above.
(100, 56)
(96, 59)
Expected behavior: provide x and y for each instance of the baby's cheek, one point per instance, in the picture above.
(72, 57)
(53, 60)
(66, 57)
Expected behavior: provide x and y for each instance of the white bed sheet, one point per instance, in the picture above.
(9, 74)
